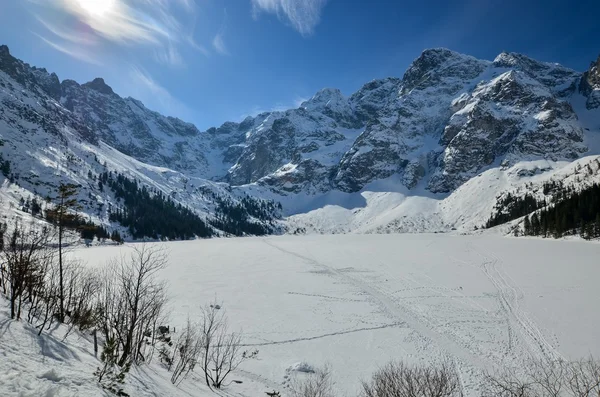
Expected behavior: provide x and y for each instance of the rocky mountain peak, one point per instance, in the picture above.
(12, 66)
(136, 102)
(436, 64)
(99, 85)
(48, 82)
(513, 59)
(428, 61)
(327, 97)
(560, 79)
(4, 51)
(332, 103)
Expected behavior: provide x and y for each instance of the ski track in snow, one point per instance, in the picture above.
(398, 312)
(519, 324)
(509, 297)
(351, 331)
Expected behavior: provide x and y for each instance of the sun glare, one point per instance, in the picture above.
(97, 7)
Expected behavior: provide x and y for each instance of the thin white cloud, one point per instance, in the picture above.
(72, 52)
(120, 22)
(219, 41)
(219, 44)
(303, 15)
(170, 57)
(194, 44)
(149, 90)
(189, 38)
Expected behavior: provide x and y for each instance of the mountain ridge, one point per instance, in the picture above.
(448, 119)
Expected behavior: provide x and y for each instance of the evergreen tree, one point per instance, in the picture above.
(152, 215)
(116, 237)
(567, 212)
(527, 226)
(4, 167)
(112, 376)
(36, 207)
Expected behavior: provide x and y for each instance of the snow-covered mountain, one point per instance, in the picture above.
(424, 136)
(53, 133)
(450, 117)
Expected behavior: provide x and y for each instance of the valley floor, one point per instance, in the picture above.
(355, 302)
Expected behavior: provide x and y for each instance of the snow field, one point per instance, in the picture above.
(357, 301)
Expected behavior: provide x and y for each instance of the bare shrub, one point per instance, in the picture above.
(542, 378)
(186, 353)
(583, 378)
(221, 349)
(47, 306)
(398, 379)
(507, 383)
(317, 384)
(131, 300)
(82, 286)
(24, 256)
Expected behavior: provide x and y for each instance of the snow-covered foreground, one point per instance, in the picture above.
(351, 301)
(357, 301)
(52, 366)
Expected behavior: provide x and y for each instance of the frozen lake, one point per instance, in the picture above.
(358, 301)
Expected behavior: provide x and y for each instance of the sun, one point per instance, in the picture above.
(97, 7)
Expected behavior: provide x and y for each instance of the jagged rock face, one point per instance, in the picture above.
(332, 103)
(127, 125)
(29, 102)
(31, 78)
(404, 117)
(512, 117)
(49, 82)
(441, 67)
(317, 131)
(590, 85)
(374, 97)
(560, 80)
(308, 176)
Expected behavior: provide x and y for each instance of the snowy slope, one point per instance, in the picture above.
(356, 302)
(51, 365)
(388, 207)
(46, 144)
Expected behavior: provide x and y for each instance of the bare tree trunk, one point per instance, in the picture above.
(95, 343)
(60, 271)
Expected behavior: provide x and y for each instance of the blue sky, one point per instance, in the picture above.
(211, 61)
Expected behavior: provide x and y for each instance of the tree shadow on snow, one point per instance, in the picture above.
(5, 326)
(53, 348)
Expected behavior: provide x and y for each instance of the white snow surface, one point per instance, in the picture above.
(351, 301)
